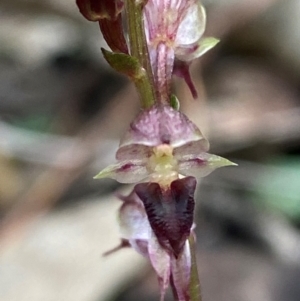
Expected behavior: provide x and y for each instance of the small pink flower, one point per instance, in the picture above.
(166, 150)
(174, 30)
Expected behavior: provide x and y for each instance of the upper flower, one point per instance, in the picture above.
(174, 30)
(162, 145)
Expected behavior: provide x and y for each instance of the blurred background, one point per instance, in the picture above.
(62, 113)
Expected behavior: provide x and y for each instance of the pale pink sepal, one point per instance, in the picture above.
(160, 125)
(130, 171)
(201, 165)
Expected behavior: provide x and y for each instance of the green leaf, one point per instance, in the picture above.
(125, 64)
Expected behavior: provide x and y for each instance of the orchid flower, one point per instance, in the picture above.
(174, 30)
(167, 151)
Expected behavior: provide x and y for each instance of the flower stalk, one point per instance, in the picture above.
(138, 48)
(194, 287)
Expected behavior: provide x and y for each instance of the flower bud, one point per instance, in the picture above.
(108, 14)
(95, 10)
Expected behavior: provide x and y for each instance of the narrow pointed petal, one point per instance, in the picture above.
(192, 52)
(160, 260)
(123, 244)
(181, 69)
(181, 270)
(125, 172)
(161, 125)
(201, 165)
(170, 212)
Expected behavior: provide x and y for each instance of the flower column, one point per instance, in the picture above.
(163, 151)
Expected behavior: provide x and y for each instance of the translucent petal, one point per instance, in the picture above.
(192, 26)
(191, 149)
(133, 221)
(131, 171)
(201, 165)
(133, 152)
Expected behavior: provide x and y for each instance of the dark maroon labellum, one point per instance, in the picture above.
(170, 212)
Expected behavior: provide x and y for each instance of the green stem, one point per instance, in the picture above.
(139, 49)
(194, 288)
